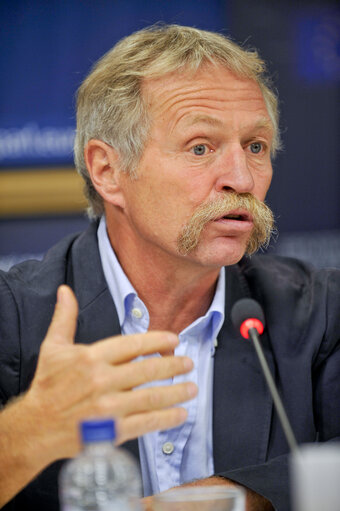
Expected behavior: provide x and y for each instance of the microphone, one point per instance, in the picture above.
(247, 317)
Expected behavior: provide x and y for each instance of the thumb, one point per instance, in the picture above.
(62, 328)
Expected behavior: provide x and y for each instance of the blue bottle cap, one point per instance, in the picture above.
(98, 430)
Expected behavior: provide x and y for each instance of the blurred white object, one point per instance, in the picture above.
(315, 477)
(202, 498)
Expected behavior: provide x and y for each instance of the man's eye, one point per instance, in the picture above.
(255, 147)
(199, 149)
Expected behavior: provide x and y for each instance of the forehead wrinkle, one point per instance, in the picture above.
(181, 96)
(188, 100)
(178, 96)
(187, 82)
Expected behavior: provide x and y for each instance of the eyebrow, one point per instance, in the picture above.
(261, 123)
(202, 118)
(264, 123)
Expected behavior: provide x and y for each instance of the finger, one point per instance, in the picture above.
(64, 321)
(146, 400)
(130, 375)
(140, 424)
(128, 347)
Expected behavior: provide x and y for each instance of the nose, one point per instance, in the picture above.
(234, 173)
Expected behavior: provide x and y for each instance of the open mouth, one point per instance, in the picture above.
(241, 217)
(234, 217)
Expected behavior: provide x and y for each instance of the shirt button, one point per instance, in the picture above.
(168, 448)
(136, 313)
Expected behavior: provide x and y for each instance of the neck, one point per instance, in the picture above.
(174, 294)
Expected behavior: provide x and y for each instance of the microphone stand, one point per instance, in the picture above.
(253, 334)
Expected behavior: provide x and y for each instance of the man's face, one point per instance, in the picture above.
(210, 135)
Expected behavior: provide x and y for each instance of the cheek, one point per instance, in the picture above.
(267, 184)
(262, 184)
(172, 191)
(200, 188)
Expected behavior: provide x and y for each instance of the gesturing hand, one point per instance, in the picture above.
(75, 381)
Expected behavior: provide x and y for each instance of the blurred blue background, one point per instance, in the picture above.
(47, 48)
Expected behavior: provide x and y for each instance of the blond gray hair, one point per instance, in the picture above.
(110, 105)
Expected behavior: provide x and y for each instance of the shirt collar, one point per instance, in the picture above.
(122, 290)
(119, 285)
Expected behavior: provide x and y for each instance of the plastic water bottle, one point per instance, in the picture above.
(102, 477)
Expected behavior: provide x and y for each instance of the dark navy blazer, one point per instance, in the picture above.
(301, 343)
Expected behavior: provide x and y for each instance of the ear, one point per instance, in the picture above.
(102, 163)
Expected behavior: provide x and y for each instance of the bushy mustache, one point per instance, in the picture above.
(263, 220)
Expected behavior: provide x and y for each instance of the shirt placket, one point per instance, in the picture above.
(171, 443)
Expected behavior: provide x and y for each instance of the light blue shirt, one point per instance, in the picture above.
(172, 457)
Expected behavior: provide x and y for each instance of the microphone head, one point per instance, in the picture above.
(245, 314)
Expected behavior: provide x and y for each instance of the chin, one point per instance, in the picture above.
(222, 253)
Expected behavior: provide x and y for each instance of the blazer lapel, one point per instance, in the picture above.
(242, 406)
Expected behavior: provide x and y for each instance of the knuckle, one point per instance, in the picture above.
(97, 380)
(85, 355)
(155, 399)
(178, 394)
(152, 421)
(109, 405)
(116, 406)
(175, 365)
(151, 368)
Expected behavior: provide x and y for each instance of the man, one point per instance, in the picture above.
(176, 128)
